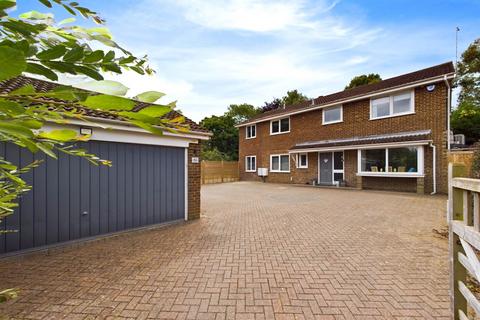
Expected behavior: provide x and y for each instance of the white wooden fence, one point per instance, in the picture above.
(464, 242)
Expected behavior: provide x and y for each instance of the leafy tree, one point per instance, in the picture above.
(224, 138)
(468, 74)
(363, 80)
(35, 43)
(223, 145)
(241, 112)
(466, 120)
(276, 103)
(293, 97)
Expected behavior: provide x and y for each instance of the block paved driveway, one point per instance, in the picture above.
(260, 251)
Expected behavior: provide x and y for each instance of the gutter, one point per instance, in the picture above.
(122, 125)
(434, 172)
(360, 97)
(362, 146)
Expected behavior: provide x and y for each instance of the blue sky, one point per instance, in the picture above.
(209, 54)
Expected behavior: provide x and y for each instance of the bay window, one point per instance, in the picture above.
(280, 126)
(394, 105)
(280, 163)
(401, 161)
(250, 163)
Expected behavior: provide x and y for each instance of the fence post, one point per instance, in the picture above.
(222, 172)
(455, 212)
(455, 208)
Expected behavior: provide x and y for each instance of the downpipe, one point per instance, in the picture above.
(434, 171)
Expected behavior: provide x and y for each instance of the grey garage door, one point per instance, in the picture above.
(72, 199)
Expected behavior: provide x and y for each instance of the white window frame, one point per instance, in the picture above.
(385, 173)
(246, 164)
(342, 171)
(412, 105)
(279, 163)
(335, 121)
(246, 131)
(299, 164)
(279, 126)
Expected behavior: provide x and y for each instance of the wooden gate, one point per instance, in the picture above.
(464, 242)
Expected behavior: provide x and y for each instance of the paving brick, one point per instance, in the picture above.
(260, 251)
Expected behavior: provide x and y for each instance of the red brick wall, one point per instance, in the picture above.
(430, 113)
(194, 183)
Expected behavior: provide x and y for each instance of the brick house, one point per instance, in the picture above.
(390, 135)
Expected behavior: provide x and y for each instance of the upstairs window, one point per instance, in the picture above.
(395, 105)
(251, 131)
(250, 163)
(332, 115)
(280, 126)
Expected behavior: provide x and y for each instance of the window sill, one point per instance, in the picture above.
(277, 171)
(250, 138)
(333, 122)
(393, 116)
(250, 171)
(276, 133)
(302, 167)
(390, 174)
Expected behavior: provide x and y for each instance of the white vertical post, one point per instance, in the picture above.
(186, 184)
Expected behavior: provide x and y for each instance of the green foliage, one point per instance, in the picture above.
(8, 294)
(241, 112)
(213, 155)
(223, 145)
(468, 74)
(35, 43)
(363, 80)
(225, 136)
(466, 120)
(293, 97)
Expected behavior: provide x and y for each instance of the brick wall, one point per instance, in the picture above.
(430, 113)
(194, 182)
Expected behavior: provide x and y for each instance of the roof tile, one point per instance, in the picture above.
(402, 80)
(44, 86)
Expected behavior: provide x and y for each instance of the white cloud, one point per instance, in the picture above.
(209, 54)
(250, 15)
